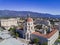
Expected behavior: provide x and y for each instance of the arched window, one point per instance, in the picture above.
(28, 23)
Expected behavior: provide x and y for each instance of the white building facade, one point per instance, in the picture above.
(48, 38)
(7, 23)
(53, 38)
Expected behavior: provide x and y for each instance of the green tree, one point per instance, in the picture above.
(10, 29)
(59, 36)
(36, 40)
(44, 43)
(16, 35)
(58, 40)
(13, 32)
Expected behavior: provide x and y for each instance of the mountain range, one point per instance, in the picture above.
(10, 13)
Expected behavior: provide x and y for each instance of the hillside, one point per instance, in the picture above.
(8, 13)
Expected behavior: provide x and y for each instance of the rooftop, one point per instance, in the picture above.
(46, 35)
(29, 19)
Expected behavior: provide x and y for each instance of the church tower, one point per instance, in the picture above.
(28, 27)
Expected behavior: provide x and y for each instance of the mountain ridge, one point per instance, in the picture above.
(10, 13)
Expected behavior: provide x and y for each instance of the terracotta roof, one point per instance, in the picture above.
(45, 35)
(29, 20)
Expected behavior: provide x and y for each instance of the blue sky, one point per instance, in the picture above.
(41, 6)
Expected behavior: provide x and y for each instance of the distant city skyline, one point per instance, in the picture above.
(40, 6)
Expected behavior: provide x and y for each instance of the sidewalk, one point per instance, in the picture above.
(23, 41)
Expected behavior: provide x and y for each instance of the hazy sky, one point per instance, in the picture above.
(43, 6)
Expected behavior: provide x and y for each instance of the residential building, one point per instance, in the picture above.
(42, 22)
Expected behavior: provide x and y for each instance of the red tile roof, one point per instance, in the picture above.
(45, 35)
(29, 20)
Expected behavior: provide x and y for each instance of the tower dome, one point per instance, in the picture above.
(29, 19)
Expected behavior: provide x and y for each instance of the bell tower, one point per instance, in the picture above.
(28, 27)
